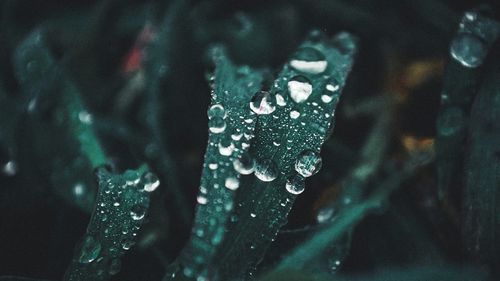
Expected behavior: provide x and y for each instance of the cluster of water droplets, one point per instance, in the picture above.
(121, 207)
(475, 36)
(216, 119)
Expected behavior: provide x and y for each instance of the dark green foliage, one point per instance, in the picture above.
(119, 211)
(294, 140)
(481, 194)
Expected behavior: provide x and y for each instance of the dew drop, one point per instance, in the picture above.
(295, 184)
(217, 125)
(90, 250)
(244, 165)
(300, 88)
(85, 117)
(226, 149)
(232, 183)
(127, 244)
(213, 166)
(468, 49)
(216, 110)
(280, 100)
(10, 168)
(308, 163)
(261, 103)
(151, 182)
(309, 60)
(131, 177)
(79, 189)
(294, 114)
(325, 214)
(138, 212)
(266, 170)
(201, 200)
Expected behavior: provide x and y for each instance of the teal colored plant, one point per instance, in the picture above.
(218, 141)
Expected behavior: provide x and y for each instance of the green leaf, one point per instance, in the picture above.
(231, 126)
(460, 87)
(119, 212)
(287, 141)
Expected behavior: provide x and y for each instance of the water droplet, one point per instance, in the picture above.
(294, 114)
(10, 168)
(266, 170)
(138, 212)
(308, 163)
(280, 100)
(85, 117)
(217, 125)
(309, 60)
(213, 166)
(79, 189)
(127, 244)
(325, 214)
(226, 149)
(244, 165)
(151, 182)
(262, 103)
(253, 215)
(295, 184)
(201, 200)
(90, 250)
(232, 183)
(236, 137)
(216, 110)
(131, 177)
(300, 88)
(468, 49)
(450, 121)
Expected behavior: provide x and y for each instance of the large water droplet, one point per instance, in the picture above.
(468, 49)
(216, 110)
(138, 212)
(300, 88)
(90, 250)
(309, 60)
(226, 148)
(244, 165)
(131, 177)
(151, 182)
(232, 183)
(308, 163)
(295, 184)
(217, 125)
(266, 170)
(262, 103)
